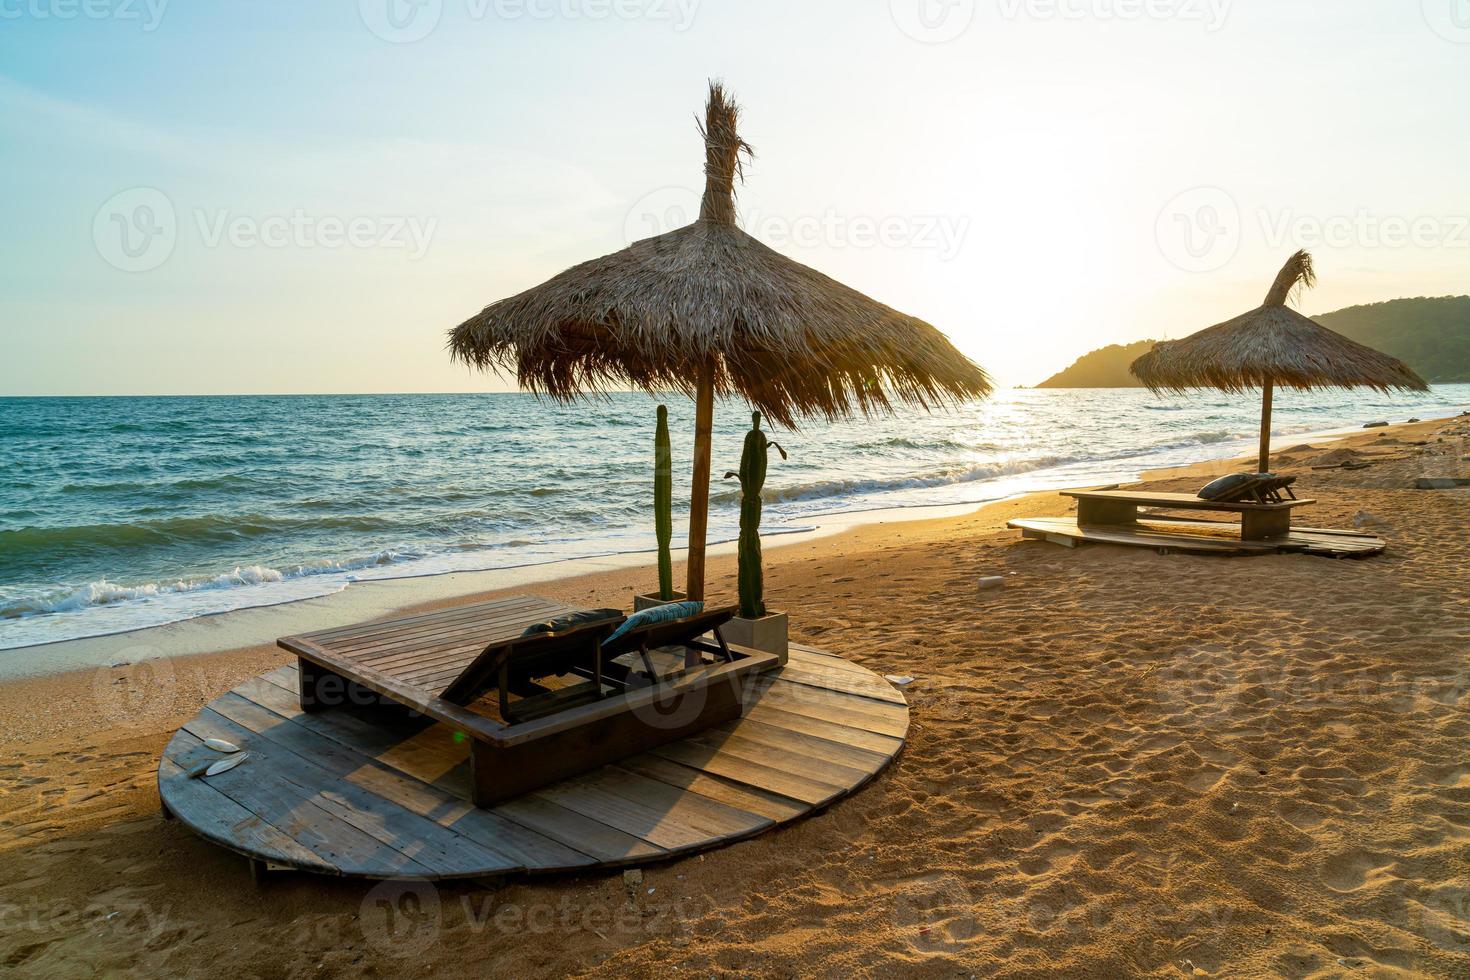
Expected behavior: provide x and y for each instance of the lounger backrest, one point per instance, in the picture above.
(537, 650)
(1236, 488)
(669, 634)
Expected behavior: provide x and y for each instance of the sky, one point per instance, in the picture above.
(262, 196)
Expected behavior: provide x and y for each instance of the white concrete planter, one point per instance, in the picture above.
(642, 602)
(767, 634)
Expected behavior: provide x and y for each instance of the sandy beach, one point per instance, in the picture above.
(1121, 764)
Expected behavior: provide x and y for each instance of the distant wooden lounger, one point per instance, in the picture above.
(439, 665)
(1119, 508)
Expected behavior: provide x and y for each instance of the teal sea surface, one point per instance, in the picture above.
(122, 513)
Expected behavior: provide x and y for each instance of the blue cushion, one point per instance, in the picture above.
(658, 614)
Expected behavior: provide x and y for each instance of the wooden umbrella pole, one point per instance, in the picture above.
(1266, 428)
(704, 420)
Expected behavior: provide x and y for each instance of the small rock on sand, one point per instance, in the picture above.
(633, 877)
(992, 582)
(1376, 425)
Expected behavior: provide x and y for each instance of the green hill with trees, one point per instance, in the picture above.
(1106, 368)
(1432, 334)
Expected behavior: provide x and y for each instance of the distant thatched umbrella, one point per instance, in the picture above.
(1269, 346)
(707, 310)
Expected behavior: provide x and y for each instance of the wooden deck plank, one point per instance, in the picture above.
(546, 817)
(434, 637)
(220, 818)
(317, 768)
(291, 810)
(872, 716)
(417, 748)
(744, 797)
(417, 794)
(653, 811)
(805, 657)
(813, 746)
(872, 687)
(736, 767)
(474, 610)
(785, 758)
(374, 782)
(836, 731)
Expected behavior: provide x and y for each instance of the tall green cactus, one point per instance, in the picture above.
(663, 504)
(752, 477)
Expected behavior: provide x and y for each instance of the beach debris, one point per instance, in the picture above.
(1376, 425)
(1413, 421)
(992, 582)
(220, 745)
(632, 877)
(898, 681)
(1365, 519)
(1441, 483)
(117, 662)
(225, 765)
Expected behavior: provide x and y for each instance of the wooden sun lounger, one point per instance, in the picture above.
(1119, 508)
(438, 664)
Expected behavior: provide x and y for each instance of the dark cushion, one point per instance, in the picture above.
(571, 621)
(1228, 488)
(673, 612)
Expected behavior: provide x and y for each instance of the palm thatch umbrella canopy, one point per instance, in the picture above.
(1270, 346)
(707, 310)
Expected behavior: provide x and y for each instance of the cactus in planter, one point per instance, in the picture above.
(752, 477)
(663, 504)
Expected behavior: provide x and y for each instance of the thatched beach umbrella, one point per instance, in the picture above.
(1270, 346)
(707, 310)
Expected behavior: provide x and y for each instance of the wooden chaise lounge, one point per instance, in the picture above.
(1119, 508)
(1265, 528)
(590, 709)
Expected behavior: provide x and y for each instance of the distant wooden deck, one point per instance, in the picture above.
(376, 792)
(1187, 536)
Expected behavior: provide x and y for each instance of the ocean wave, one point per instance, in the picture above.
(949, 476)
(16, 544)
(106, 593)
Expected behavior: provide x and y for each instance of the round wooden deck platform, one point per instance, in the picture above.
(1198, 537)
(372, 793)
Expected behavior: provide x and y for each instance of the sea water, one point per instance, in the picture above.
(122, 513)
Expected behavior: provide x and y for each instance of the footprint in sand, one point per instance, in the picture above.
(1350, 870)
(1302, 817)
(1039, 864)
(1204, 780)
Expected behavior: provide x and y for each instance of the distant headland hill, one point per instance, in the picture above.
(1432, 334)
